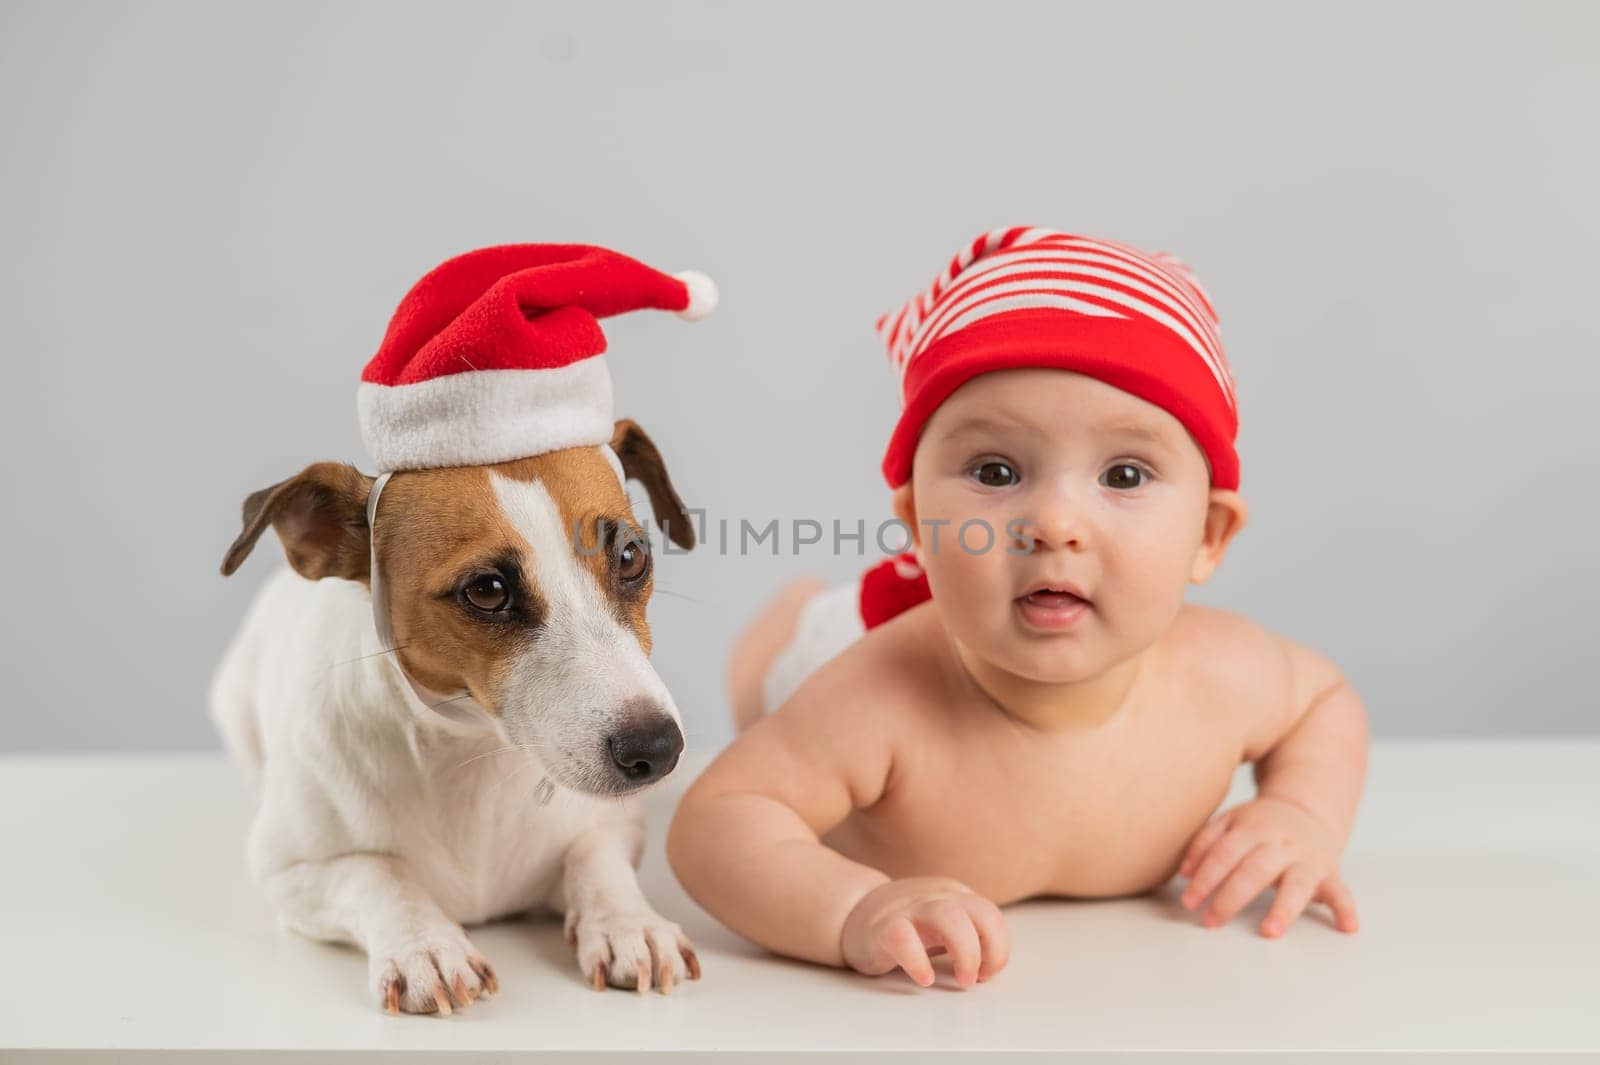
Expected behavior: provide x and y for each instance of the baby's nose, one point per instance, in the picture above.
(1054, 521)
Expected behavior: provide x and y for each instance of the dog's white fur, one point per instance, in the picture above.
(382, 823)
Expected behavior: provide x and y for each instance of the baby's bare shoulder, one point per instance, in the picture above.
(1237, 669)
(1223, 639)
(1266, 678)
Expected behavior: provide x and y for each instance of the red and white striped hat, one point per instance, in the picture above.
(497, 355)
(1022, 296)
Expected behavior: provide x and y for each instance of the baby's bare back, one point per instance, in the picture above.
(1013, 811)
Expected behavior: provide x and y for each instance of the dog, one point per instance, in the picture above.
(487, 762)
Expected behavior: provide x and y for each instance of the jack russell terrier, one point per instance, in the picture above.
(445, 704)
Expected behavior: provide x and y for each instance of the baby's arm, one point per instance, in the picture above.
(744, 840)
(1319, 761)
(1307, 737)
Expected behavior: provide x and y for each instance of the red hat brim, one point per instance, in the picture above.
(1136, 356)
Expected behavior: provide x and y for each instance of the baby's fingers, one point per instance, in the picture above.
(947, 924)
(1336, 894)
(1215, 867)
(901, 941)
(1209, 833)
(1294, 892)
(1258, 869)
(994, 938)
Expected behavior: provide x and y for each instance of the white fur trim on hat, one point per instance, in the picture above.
(702, 294)
(479, 417)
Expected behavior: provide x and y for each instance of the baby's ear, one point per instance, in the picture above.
(1226, 514)
(905, 508)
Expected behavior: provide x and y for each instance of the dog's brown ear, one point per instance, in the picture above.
(642, 462)
(321, 516)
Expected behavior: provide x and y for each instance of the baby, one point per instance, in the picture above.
(1023, 705)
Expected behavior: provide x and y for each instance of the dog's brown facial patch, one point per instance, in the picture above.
(447, 548)
(599, 523)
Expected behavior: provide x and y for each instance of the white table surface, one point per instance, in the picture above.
(128, 923)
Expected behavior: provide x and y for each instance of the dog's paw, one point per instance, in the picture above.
(433, 973)
(631, 950)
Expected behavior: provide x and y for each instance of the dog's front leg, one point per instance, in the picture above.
(618, 937)
(418, 959)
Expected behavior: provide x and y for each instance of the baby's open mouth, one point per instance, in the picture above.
(1051, 608)
(1053, 598)
(1052, 592)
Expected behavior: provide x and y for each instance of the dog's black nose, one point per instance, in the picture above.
(647, 751)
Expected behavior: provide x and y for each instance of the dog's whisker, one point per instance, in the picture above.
(513, 773)
(530, 745)
(677, 595)
(501, 782)
(375, 654)
(534, 746)
(485, 754)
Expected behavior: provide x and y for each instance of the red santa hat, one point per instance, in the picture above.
(497, 354)
(1022, 296)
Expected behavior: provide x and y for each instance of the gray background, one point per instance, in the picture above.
(210, 211)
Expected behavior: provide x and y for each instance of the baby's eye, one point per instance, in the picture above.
(1123, 475)
(995, 474)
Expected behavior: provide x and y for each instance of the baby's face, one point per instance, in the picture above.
(1109, 495)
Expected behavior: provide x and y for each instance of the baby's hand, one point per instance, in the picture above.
(904, 921)
(1267, 841)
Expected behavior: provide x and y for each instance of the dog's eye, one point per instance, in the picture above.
(632, 560)
(487, 593)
